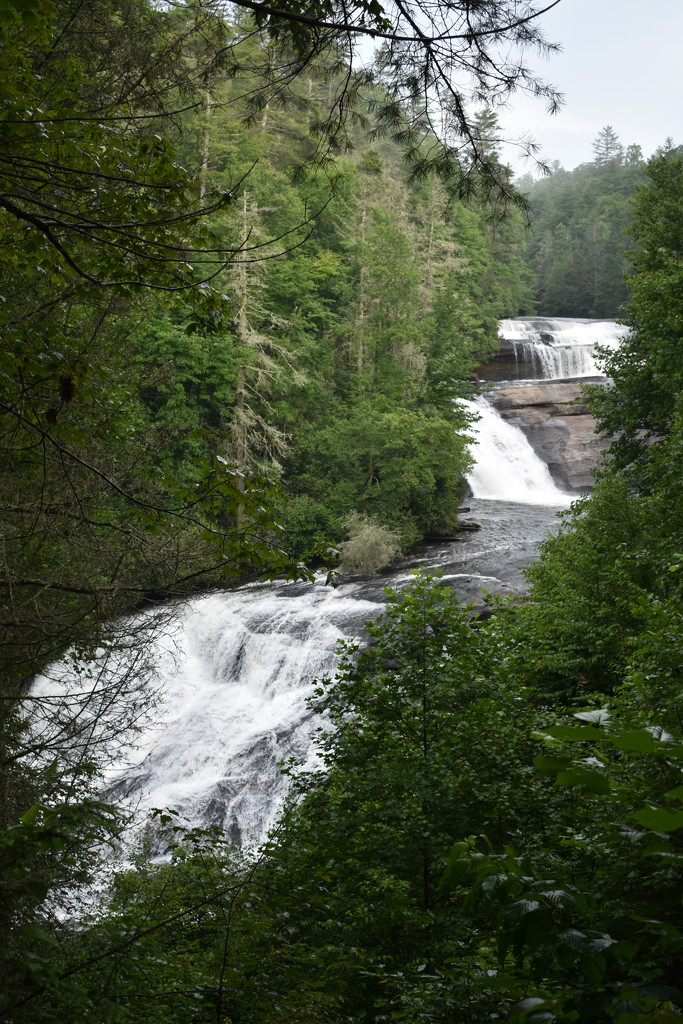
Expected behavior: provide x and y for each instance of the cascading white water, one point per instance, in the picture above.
(506, 466)
(560, 348)
(232, 675)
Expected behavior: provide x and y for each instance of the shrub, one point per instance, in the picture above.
(370, 546)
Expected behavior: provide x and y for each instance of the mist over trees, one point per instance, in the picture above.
(243, 280)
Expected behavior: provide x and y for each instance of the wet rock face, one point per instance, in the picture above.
(559, 427)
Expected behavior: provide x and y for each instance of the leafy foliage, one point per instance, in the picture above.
(449, 59)
(607, 590)
(595, 951)
(369, 547)
(644, 404)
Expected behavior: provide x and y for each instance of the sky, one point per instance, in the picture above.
(622, 65)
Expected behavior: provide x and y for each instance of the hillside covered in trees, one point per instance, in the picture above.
(580, 231)
(243, 281)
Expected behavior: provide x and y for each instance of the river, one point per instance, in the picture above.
(232, 671)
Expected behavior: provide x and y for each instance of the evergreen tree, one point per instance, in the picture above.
(644, 403)
(607, 147)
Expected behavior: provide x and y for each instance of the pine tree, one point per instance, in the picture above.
(607, 146)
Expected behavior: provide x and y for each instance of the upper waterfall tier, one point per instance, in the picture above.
(536, 348)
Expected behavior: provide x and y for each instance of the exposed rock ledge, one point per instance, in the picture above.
(558, 426)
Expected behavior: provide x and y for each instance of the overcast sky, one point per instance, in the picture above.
(621, 64)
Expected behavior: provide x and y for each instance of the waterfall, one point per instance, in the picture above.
(506, 466)
(232, 673)
(216, 688)
(553, 349)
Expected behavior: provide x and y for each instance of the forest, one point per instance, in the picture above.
(245, 276)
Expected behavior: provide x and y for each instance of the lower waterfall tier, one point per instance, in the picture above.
(229, 674)
(506, 466)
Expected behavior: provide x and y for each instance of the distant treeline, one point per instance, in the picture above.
(579, 238)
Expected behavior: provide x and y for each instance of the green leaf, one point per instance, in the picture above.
(661, 848)
(659, 819)
(584, 778)
(639, 740)
(598, 716)
(37, 888)
(663, 994)
(39, 934)
(457, 870)
(594, 969)
(30, 815)
(558, 897)
(522, 908)
(531, 1003)
(574, 733)
(551, 765)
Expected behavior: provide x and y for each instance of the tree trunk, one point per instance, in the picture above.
(206, 145)
(242, 336)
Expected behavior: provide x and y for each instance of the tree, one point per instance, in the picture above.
(580, 945)
(607, 146)
(96, 210)
(89, 184)
(579, 231)
(643, 405)
(261, 362)
(606, 591)
(415, 755)
(586, 592)
(431, 65)
(343, 913)
(87, 132)
(96, 217)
